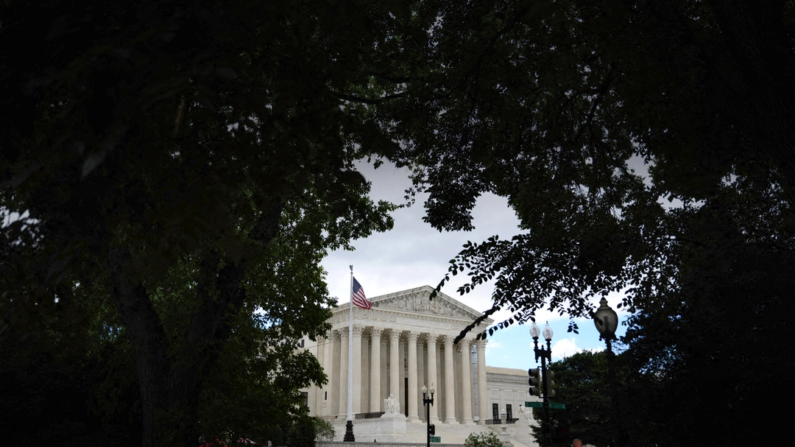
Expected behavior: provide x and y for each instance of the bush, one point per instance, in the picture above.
(488, 439)
(324, 431)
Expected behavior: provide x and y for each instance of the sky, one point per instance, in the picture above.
(413, 254)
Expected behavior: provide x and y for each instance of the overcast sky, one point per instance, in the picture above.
(413, 254)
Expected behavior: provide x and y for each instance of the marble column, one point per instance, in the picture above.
(329, 369)
(394, 366)
(343, 379)
(413, 390)
(357, 369)
(375, 370)
(432, 376)
(466, 382)
(321, 358)
(449, 381)
(483, 399)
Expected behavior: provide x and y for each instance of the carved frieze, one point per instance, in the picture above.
(420, 303)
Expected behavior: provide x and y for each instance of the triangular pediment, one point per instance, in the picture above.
(417, 301)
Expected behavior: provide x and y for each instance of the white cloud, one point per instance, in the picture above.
(413, 254)
(565, 348)
(492, 345)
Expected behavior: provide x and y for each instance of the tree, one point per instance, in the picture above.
(582, 384)
(208, 142)
(549, 104)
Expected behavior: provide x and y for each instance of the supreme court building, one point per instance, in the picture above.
(404, 342)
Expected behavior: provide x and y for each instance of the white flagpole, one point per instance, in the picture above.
(350, 365)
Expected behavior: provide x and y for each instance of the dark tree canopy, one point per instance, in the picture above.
(549, 104)
(190, 163)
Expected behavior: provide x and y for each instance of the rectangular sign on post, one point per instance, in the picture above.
(436, 439)
(552, 405)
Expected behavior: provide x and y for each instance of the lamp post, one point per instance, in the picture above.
(545, 355)
(427, 404)
(606, 321)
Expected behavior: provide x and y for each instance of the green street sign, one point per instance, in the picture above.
(436, 439)
(552, 405)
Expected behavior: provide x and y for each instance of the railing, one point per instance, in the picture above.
(374, 415)
(499, 421)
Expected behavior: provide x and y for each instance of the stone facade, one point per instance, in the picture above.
(404, 342)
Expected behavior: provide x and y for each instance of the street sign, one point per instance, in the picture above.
(552, 405)
(436, 439)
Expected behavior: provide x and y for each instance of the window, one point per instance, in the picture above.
(495, 411)
(306, 398)
(301, 343)
(509, 411)
(325, 395)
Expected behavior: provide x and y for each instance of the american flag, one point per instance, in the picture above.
(358, 297)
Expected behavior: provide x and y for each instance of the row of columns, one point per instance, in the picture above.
(337, 373)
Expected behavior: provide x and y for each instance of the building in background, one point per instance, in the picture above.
(404, 342)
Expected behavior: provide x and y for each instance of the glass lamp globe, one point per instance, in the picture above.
(433, 389)
(424, 389)
(606, 320)
(534, 330)
(547, 332)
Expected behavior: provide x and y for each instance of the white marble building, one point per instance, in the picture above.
(404, 342)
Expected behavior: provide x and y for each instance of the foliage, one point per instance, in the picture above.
(582, 384)
(187, 165)
(483, 439)
(63, 385)
(547, 105)
(552, 104)
(324, 430)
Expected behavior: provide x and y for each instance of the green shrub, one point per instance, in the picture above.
(487, 439)
(324, 431)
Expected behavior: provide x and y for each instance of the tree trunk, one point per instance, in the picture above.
(147, 338)
(170, 386)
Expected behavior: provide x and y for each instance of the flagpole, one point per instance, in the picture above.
(349, 424)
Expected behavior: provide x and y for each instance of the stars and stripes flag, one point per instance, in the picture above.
(357, 296)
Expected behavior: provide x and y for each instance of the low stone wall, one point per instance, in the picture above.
(381, 444)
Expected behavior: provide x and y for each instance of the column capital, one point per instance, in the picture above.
(447, 339)
(343, 335)
(464, 344)
(375, 332)
(412, 336)
(393, 333)
(481, 344)
(357, 330)
(431, 339)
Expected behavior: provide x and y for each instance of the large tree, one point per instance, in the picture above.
(551, 103)
(203, 144)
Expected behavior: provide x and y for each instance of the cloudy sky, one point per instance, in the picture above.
(413, 254)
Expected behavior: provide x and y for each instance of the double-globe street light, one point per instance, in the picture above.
(427, 404)
(545, 355)
(606, 321)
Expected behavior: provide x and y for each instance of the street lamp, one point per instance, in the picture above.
(427, 404)
(545, 355)
(606, 321)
